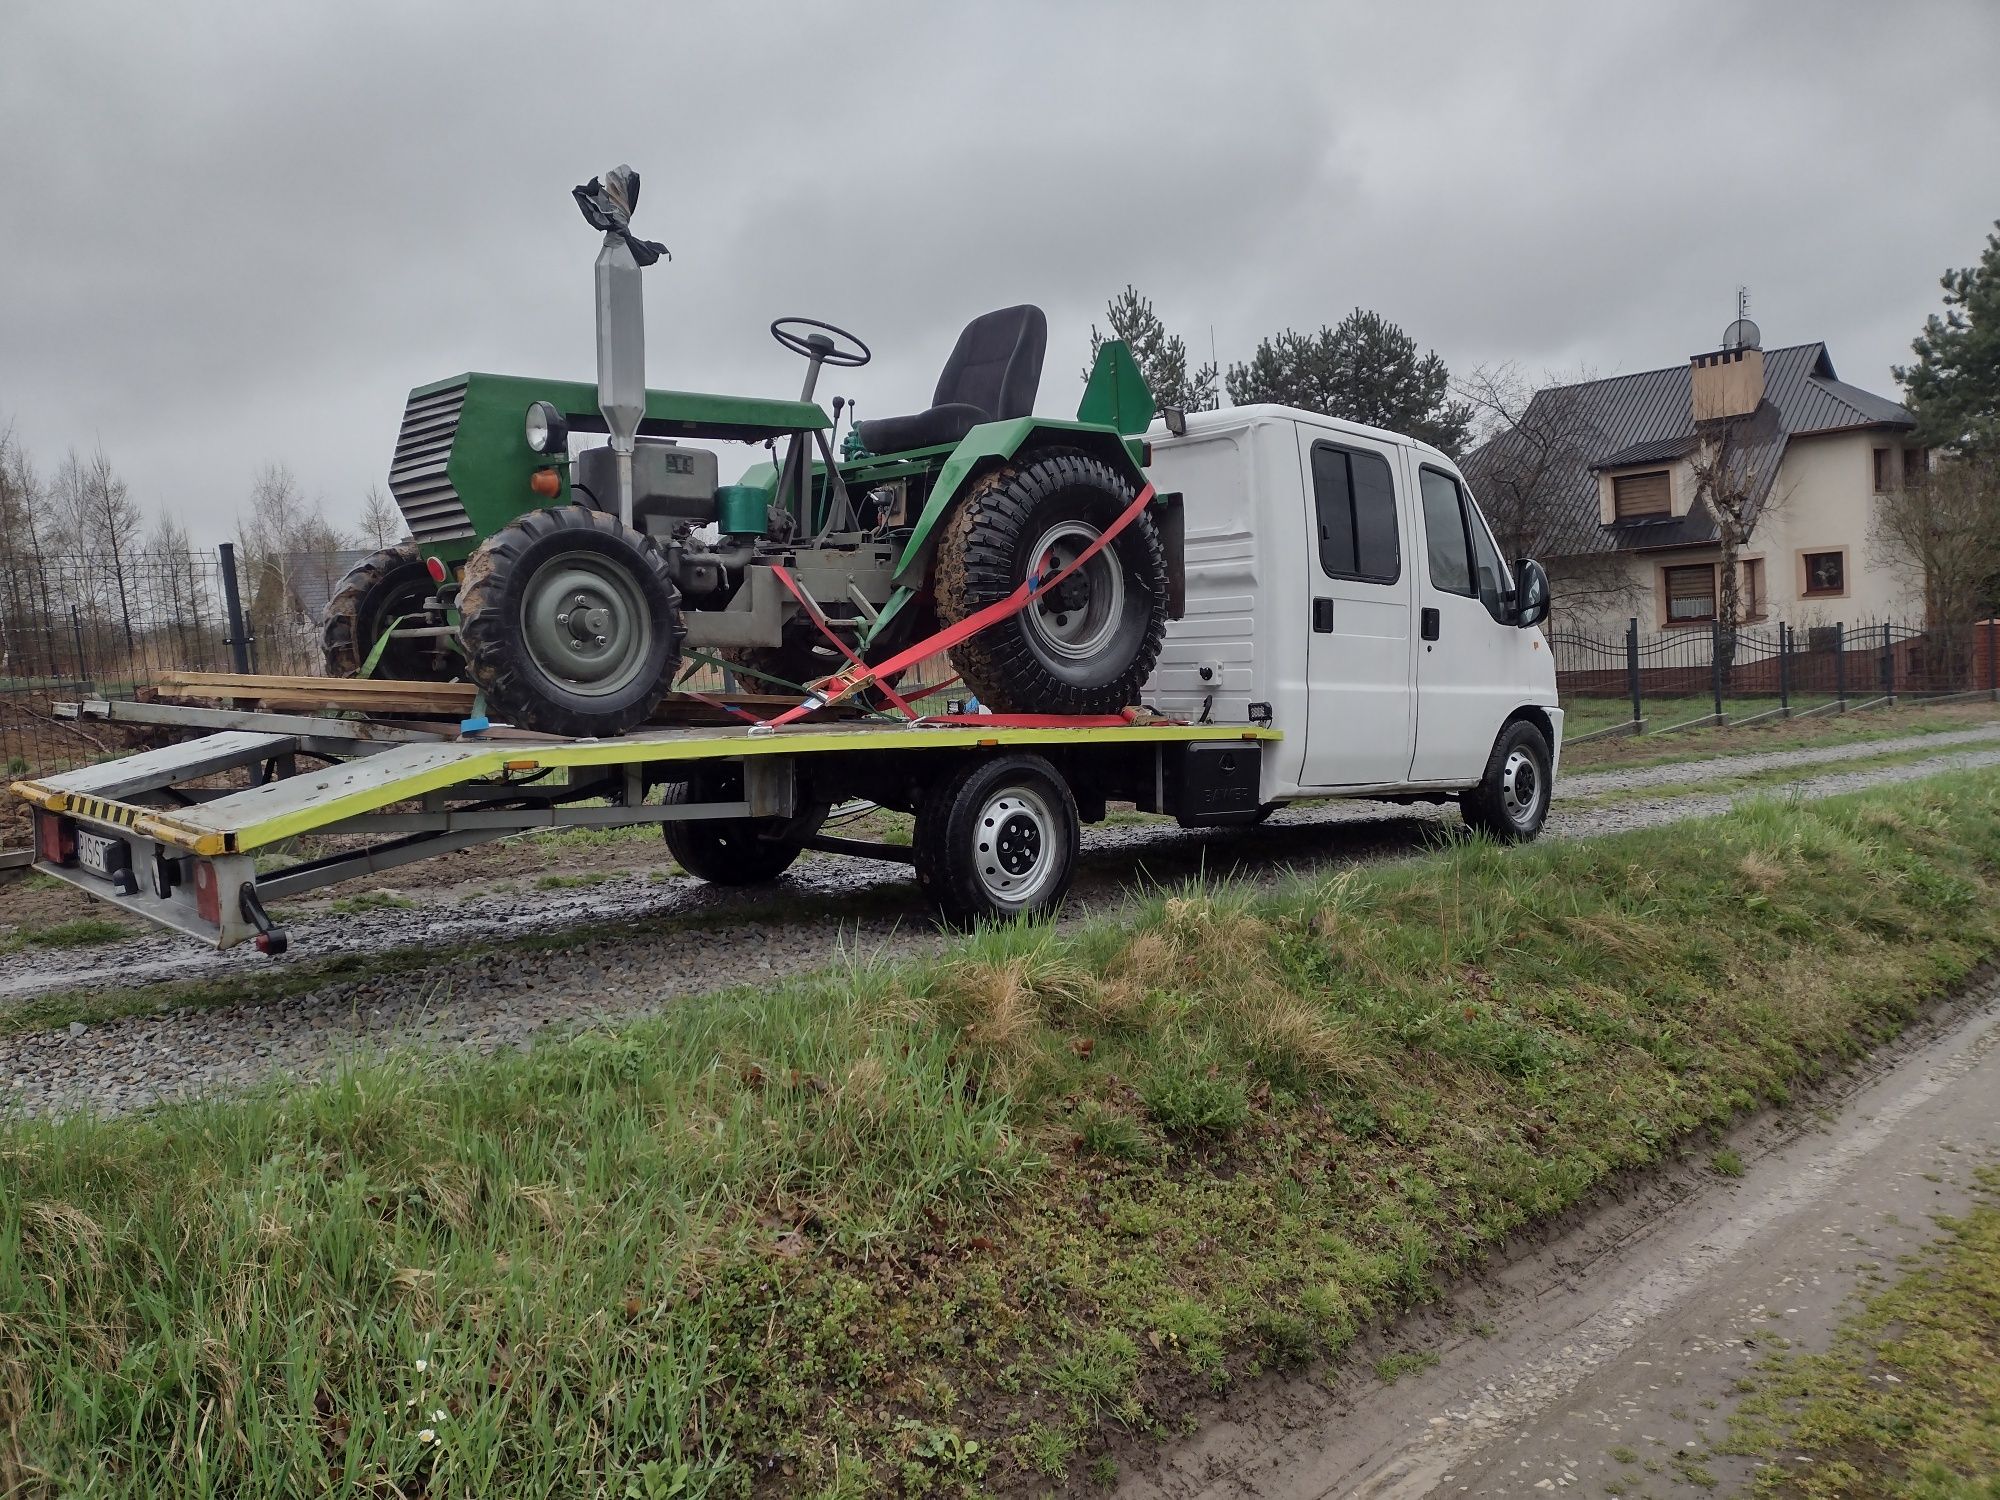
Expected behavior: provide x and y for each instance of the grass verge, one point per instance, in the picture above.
(972, 1223)
(1914, 717)
(1726, 783)
(84, 932)
(1906, 1402)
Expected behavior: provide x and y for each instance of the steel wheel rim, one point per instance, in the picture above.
(1521, 785)
(1078, 620)
(587, 624)
(1013, 846)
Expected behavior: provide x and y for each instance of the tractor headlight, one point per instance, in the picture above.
(547, 431)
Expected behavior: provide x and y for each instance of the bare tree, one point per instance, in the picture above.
(381, 522)
(24, 580)
(180, 593)
(1534, 438)
(1734, 462)
(291, 557)
(103, 522)
(1946, 531)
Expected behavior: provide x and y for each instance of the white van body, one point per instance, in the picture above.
(1387, 675)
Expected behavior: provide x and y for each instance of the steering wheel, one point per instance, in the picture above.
(817, 345)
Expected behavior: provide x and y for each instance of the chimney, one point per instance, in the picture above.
(1729, 382)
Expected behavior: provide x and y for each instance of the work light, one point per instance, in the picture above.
(547, 431)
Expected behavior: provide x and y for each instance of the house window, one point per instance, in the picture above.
(1690, 593)
(1885, 478)
(1916, 464)
(1753, 588)
(1356, 502)
(1826, 572)
(1636, 496)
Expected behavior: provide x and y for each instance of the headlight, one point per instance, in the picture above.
(547, 431)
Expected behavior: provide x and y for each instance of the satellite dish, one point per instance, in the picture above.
(1742, 334)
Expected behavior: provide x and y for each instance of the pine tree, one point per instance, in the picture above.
(1954, 387)
(1366, 370)
(1161, 356)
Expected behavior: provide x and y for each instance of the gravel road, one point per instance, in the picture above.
(641, 940)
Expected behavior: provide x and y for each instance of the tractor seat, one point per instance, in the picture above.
(992, 375)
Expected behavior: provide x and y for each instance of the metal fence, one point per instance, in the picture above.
(1643, 682)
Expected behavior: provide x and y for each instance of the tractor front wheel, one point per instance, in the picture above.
(571, 623)
(390, 587)
(1087, 645)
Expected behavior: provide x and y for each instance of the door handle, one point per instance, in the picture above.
(1323, 616)
(1429, 622)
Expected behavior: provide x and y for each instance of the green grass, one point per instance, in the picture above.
(877, 1232)
(83, 932)
(1584, 715)
(1719, 783)
(1906, 1401)
(1912, 717)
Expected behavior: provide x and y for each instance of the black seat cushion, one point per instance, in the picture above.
(993, 373)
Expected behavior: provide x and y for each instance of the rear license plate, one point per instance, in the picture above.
(102, 855)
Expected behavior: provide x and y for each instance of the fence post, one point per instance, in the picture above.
(1715, 662)
(1888, 663)
(1840, 665)
(1784, 670)
(1632, 668)
(76, 635)
(238, 639)
(1993, 656)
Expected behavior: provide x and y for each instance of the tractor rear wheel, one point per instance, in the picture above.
(377, 592)
(735, 851)
(571, 623)
(1084, 647)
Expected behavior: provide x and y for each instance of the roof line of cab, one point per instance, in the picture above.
(1226, 418)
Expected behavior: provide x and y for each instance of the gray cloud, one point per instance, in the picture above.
(237, 234)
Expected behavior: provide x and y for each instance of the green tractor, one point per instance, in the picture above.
(571, 586)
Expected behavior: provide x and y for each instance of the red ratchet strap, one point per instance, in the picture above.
(860, 675)
(813, 613)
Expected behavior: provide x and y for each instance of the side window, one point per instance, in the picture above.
(1444, 535)
(1355, 499)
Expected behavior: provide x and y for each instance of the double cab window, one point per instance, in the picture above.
(1356, 501)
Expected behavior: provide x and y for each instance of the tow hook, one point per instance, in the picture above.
(271, 938)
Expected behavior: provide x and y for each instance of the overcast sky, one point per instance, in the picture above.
(237, 234)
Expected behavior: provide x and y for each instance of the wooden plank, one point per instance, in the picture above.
(452, 700)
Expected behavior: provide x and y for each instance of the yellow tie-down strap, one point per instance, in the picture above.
(149, 822)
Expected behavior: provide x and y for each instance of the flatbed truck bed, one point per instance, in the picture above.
(173, 834)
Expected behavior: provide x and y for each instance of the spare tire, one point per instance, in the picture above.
(734, 851)
(1085, 647)
(571, 623)
(391, 585)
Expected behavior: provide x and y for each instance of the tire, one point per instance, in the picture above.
(377, 592)
(1090, 657)
(735, 851)
(602, 676)
(1511, 801)
(997, 839)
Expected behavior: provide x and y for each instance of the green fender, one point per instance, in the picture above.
(1117, 405)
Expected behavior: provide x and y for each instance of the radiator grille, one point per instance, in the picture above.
(417, 477)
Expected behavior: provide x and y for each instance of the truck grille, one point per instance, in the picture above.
(417, 477)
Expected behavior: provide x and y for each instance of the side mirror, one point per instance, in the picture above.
(1531, 593)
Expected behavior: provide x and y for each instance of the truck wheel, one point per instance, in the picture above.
(735, 851)
(1511, 801)
(997, 839)
(1084, 648)
(571, 623)
(378, 591)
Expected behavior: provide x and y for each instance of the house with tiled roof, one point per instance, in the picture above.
(1615, 494)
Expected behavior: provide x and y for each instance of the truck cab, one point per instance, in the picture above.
(1342, 586)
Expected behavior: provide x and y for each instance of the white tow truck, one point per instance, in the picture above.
(1347, 628)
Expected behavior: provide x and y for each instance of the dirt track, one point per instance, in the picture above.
(1609, 1354)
